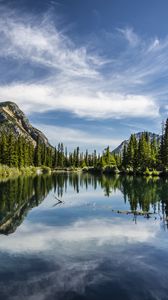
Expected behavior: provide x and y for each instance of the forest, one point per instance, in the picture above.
(146, 155)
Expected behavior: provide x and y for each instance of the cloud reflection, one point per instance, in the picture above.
(75, 261)
(39, 237)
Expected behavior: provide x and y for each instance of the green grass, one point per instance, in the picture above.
(7, 172)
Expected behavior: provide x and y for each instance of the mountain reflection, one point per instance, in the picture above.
(19, 195)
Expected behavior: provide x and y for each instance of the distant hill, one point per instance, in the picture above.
(120, 148)
(12, 119)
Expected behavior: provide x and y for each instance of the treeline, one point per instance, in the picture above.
(59, 157)
(147, 153)
(143, 154)
(16, 152)
(19, 152)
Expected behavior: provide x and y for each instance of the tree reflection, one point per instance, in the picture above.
(19, 195)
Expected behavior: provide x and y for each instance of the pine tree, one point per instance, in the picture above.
(165, 145)
(37, 154)
(55, 160)
(44, 155)
(135, 158)
(161, 148)
(62, 155)
(4, 149)
(132, 152)
(26, 153)
(12, 160)
(94, 158)
(20, 152)
(77, 162)
(124, 156)
(49, 157)
(107, 155)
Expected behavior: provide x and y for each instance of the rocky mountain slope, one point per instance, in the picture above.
(120, 148)
(14, 120)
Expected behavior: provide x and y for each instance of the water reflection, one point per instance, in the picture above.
(19, 195)
(80, 249)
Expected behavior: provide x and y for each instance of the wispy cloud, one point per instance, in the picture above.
(41, 43)
(154, 45)
(129, 34)
(79, 80)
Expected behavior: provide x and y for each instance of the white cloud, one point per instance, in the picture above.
(37, 237)
(72, 257)
(101, 105)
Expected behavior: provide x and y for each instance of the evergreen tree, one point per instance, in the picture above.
(20, 152)
(4, 149)
(55, 160)
(165, 145)
(37, 154)
(124, 156)
(12, 160)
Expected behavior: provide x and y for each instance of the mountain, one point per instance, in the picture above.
(120, 148)
(12, 119)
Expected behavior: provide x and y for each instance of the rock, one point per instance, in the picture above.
(14, 120)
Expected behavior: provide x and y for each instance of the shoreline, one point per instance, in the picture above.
(113, 171)
(11, 172)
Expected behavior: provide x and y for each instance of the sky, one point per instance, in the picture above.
(86, 73)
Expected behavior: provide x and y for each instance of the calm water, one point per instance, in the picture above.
(83, 248)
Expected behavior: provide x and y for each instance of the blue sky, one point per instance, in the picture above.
(87, 73)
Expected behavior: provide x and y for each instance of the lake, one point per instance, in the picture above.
(77, 236)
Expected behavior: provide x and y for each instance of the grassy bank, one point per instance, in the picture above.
(128, 171)
(7, 172)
